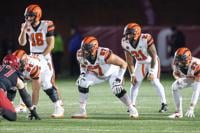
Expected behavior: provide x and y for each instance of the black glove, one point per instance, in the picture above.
(33, 114)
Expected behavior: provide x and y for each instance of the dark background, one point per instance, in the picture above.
(94, 13)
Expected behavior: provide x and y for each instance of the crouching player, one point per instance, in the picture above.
(98, 64)
(186, 71)
(11, 77)
(38, 72)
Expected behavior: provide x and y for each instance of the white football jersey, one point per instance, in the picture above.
(140, 52)
(100, 67)
(32, 68)
(37, 37)
(193, 70)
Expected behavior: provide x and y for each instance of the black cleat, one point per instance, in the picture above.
(163, 108)
(33, 114)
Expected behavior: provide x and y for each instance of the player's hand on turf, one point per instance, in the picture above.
(190, 112)
(33, 114)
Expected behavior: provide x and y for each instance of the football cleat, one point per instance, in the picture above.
(58, 113)
(133, 113)
(163, 108)
(176, 115)
(21, 108)
(80, 115)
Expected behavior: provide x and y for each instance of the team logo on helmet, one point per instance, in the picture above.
(33, 10)
(132, 32)
(183, 57)
(89, 46)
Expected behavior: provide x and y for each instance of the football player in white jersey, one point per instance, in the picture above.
(186, 71)
(140, 47)
(99, 64)
(40, 34)
(38, 72)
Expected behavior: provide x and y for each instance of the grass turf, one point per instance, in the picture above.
(106, 113)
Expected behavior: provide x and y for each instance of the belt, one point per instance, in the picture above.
(37, 52)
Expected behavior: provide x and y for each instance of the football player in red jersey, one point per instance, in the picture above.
(40, 34)
(11, 77)
(186, 71)
(141, 47)
(97, 65)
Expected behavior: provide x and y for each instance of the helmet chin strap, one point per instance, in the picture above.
(133, 42)
(92, 58)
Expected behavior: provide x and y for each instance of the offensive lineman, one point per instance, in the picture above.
(186, 71)
(97, 65)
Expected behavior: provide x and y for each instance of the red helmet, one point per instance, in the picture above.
(33, 10)
(89, 46)
(183, 57)
(11, 60)
(19, 54)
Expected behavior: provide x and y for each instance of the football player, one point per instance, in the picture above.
(40, 75)
(186, 71)
(40, 34)
(11, 77)
(142, 59)
(99, 64)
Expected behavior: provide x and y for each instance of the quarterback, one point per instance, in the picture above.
(97, 65)
(40, 34)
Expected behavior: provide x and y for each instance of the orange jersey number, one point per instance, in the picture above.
(139, 55)
(37, 39)
(97, 69)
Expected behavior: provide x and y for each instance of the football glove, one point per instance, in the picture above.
(190, 112)
(117, 86)
(33, 114)
(80, 79)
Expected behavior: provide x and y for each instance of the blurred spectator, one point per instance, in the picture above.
(163, 46)
(168, 41)
(177, 39)
(73, 45)
(57, 53)
(7, 47)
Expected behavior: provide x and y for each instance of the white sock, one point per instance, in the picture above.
(195, 94)
(83, 100)
(177, 100)
(126, 100)
(160, 90)
(134, 92)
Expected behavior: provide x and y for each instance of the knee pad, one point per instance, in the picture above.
(83, 90)
(121, 94)
(52, 93)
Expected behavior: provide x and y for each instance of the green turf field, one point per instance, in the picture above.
(106, 113)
